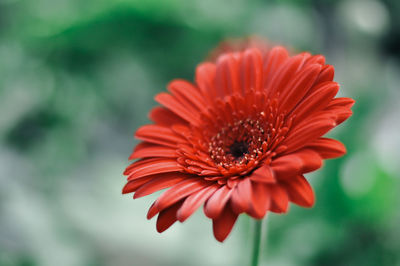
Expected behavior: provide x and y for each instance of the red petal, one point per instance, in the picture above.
(286, 166)
(164, 117)
(133, 185)
(299, 162)
(326, 74)
(311, 160)
(176, 193)
(167, 217)
(241, 198)
(138, 163)
(307, 131)
(342, 116)
(153, 210)
(159, 135)
(343, 102)
(223, 224)
(187, 93)
(175, 106)
(159, 182)
(154, 167)
(295, 90)
(328, 148)
(205, 79)
(274, 59)
(261, 200)
(263, 174)
(300, 191)
(316, 59)
(227, 78)
(148, 150)
(341, 108)
(316, 101)
(285, 74)
(279, 199)
(194, 201)
(217, 202)
(251, 71)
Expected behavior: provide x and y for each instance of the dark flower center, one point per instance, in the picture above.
(240, 145)
(239, 149)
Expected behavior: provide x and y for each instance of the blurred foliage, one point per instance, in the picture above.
(78, 77)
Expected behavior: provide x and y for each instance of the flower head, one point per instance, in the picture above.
(239, 139)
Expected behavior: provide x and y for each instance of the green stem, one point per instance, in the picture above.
(256, 242)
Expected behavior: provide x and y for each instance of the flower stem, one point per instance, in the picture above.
(256, 242)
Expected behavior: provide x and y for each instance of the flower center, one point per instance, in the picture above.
(239, 146)
(233, 140)
(239, 149)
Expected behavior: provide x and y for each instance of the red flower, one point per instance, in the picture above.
(239, 139)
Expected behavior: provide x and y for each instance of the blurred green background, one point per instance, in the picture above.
(77, 78)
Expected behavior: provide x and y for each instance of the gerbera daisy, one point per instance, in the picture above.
(239, 139)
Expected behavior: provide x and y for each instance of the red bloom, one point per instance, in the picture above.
(239, 139)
